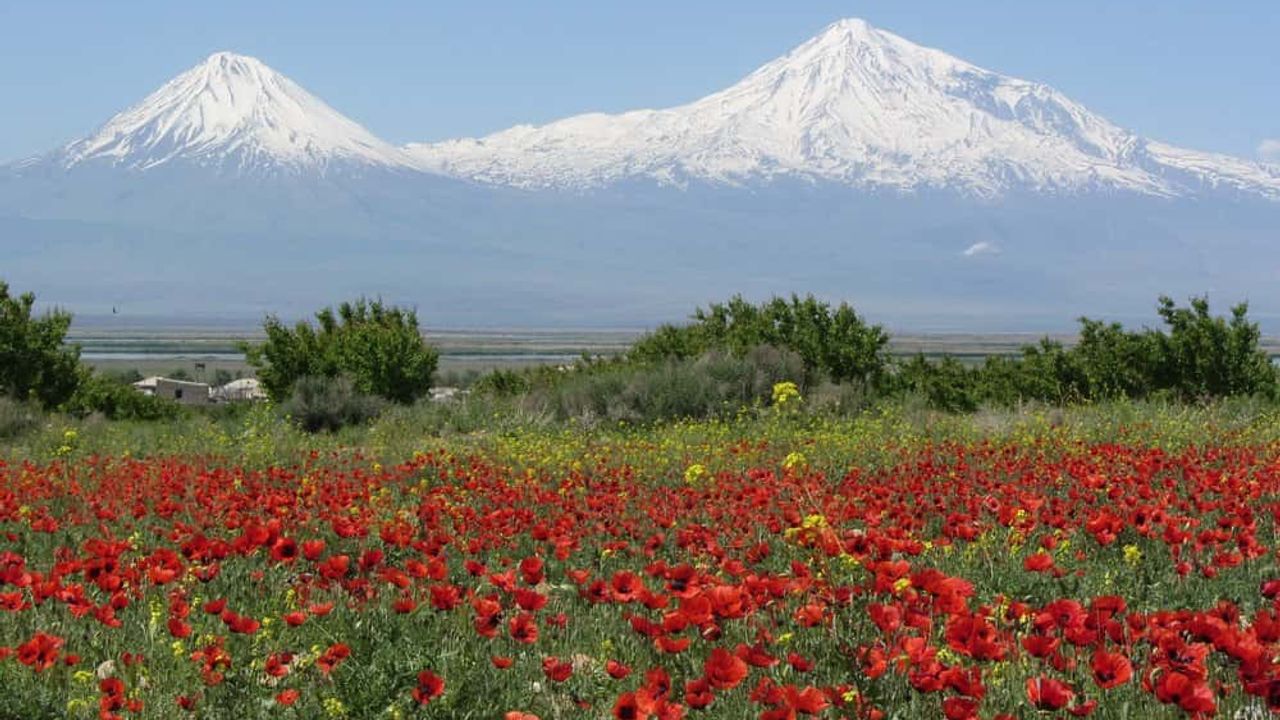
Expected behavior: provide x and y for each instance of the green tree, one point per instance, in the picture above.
(1115, 363)
(35, 362)
(945, 385)
(1199, 357)
(1204, 356)
(837, 343)
(379, 347)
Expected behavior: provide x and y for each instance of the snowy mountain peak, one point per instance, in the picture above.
(849, 34)
(234, 113)
(859, 106)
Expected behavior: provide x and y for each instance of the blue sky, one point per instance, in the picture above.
(1203, 75)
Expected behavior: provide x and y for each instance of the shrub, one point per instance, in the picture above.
(716, 384)
(378, 347)
(329, 403)
(34, 362)
(17, 417)
(503, 383)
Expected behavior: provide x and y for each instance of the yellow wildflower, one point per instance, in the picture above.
(785, 393)
(1132, 555)
(795, 460)
(695, 473)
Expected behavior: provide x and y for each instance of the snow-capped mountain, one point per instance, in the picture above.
(856, 106)
(859, 166)
(233, 113)
(231, 146)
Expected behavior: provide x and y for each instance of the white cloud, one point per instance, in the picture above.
(1269, 150)
(981, 248)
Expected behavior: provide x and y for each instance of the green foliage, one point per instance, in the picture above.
(1112, 362)
(945, 385)
(116, 400)
(1198, 358)
(123, 377)
(1207, 357)
(503, 383)
(329, 404)
(378, 347)
(34, 362)
(836, 343)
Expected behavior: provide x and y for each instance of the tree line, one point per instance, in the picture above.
(350, 361)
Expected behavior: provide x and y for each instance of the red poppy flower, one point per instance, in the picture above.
(332, 657)
(313, 549)
(430, 686)
(633, 706)
(1110, 669)
(531, 570)
(277, 664)
(960, 708)
(524, 628)
(556, 670)
(626, 586)
(1188, 693)
(799, 663)
(724, 670)
(1038, 562)
(672, 645)
(179, 629)
(1048, 694)
(40, 652)
(697, 693)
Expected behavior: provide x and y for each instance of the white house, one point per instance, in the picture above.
(244, 389)
(182, 391)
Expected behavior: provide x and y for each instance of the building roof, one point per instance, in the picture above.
(151, 382)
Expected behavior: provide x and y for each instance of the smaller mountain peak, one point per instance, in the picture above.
(234, 111)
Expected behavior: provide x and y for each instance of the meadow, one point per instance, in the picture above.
(1115, 561)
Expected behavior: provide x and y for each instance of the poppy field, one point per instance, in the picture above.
(632, 576)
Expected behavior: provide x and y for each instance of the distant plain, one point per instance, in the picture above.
(202, 348)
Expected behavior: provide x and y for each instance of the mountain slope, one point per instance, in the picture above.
(232, 113)
(857, 106)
